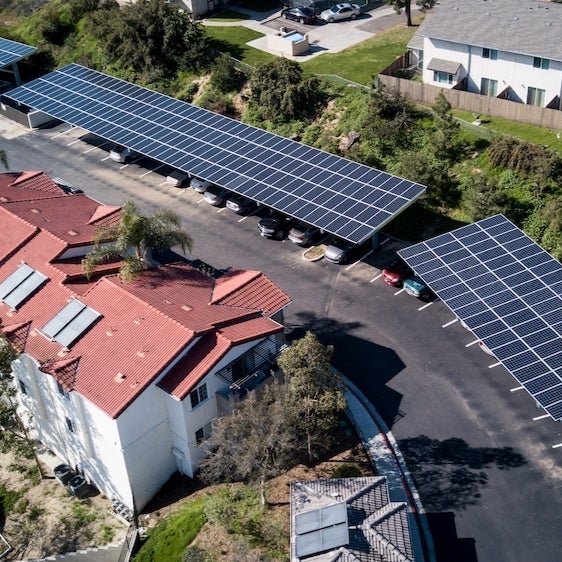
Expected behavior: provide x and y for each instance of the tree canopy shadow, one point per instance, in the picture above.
(449, 474)
(366, 364)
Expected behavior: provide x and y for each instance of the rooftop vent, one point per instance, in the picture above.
(120, 377)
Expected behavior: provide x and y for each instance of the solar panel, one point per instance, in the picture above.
(70, 322)
(20, 284)
(12, 51)
(222, 150)
(510, 299)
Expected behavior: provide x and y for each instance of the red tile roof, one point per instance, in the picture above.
(143, 326)
(21, 186)
(249, 289)
(207, 352)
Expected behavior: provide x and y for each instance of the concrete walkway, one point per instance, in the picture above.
(385, 454)
(323, 38)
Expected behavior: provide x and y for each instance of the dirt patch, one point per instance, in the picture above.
(45, 519)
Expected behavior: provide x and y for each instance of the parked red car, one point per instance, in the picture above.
(396, 273)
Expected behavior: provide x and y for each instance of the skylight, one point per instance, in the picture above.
(20, 285)
(70, 323)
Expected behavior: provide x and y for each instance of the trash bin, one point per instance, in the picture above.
(78, 486)
(63, 473)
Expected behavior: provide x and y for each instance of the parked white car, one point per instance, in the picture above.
(343, 11)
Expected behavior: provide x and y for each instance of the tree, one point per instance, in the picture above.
(150, 37)
(445, 139)
(256, 442)
(406, 4)
(14, 436)
(279, 93)
(134, 239)
(315, 391)
(226, 77)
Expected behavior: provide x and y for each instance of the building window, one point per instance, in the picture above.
(69, 425)
(198, 395)
(543, 64)
(491, 54)
(535, 96)
(62, 390)
(23, 388)
(489, 87)
(442, 77)
(203, 433)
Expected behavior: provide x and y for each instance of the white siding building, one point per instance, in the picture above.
(510, 49)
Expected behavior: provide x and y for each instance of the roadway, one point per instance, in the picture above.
(486, 460)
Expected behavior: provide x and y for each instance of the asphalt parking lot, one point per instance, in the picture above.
(486, 461)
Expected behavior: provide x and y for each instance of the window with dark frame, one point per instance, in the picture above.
(198, 395)
(23, 388)
(491, 54)
(543, 64)
(62, 390)
(69, 425)
(203, 433)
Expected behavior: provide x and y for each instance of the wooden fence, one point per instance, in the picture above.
(477, 104)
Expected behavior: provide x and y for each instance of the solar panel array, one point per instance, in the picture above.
(20, 285)
(12, 51)
(342, 197)
(508, 291)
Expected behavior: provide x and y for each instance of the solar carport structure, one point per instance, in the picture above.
(11, 52)
(508, 291)
(341, 197)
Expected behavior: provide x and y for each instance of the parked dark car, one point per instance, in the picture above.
(239, 204)
(78, 486)
(63, 473)
(304, 234)
(215, 195)
(301, 14)
(396, 273)
(275, 225)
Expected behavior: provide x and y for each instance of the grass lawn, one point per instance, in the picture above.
(365, 60)
(232, 40)
(523, 131)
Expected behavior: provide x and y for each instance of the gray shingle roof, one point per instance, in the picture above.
(441, 65)
(529, 27)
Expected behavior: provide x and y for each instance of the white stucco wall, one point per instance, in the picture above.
(510, 69)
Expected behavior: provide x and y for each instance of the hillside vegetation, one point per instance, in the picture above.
(467, 176)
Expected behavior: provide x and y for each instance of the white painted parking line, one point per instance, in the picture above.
(62, 133)
(472, 343)
(384, 241)
(94, 148)
(124, 166)
(221, 209)
(398, 292)
(557, 445)
(516, 388)
(73, 142)
(162, 184)
(541, 417)
(106, 158)
(450, 323)
(359, 260)
(150, 171)
(494, 365)
(426, 305)
(375, 278)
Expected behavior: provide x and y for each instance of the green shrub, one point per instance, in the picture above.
(346, 470)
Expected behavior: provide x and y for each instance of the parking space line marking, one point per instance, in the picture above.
(384, 241)
(541, 417)
(360, 259)
(221, 209)
(426, 305)
(161, 184)
(124, 166)
(73, 142)
(104, 159)
(398, 292)
(471, 343)
(150, 171)
(450, 323)
(516, 388)
(557, 445)
(375, 278)
(494, 365)
(62, 133)
(94, 148)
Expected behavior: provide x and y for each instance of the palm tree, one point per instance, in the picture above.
(134, 238)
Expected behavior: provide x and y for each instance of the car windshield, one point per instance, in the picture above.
(334, 10)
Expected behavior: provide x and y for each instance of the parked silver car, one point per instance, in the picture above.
(342, 11)
(121, 154)
(215, 195)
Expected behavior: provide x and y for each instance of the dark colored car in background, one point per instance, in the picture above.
(301, 14)
(275, 225)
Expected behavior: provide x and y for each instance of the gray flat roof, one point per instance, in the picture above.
(527, 27)
(341, 197)
(441, 65)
